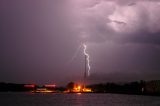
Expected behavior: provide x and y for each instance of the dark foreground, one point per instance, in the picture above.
(73, 99)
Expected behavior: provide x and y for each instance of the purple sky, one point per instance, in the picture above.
(40, 40)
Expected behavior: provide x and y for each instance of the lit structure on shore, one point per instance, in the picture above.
(43, 90)
(78, 89)
(48, 88)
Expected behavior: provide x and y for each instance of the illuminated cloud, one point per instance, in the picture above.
(124, 35)
(101, 20)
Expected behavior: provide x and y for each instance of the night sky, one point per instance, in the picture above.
(41, 40)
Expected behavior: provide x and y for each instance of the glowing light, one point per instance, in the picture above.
(87, 57)
(29, 86)
(50, 85)
(79, 87)
(79, 93)
(87, 90)
(42, 90)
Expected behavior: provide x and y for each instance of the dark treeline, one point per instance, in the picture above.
(127, 88)
(6, 87)
(12, 87)
(136, 87)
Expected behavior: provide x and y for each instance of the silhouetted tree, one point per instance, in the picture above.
(70, 86)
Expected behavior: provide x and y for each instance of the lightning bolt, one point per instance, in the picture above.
(87, 57)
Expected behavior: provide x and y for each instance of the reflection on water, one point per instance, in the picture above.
(30, 99)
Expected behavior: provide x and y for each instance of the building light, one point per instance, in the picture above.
(29, 86)
(50, 85)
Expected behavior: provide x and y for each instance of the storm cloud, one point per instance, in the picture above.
(40, 40)
(123, 35)
(101, 20)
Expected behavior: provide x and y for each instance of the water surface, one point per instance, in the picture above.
(93, 99)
